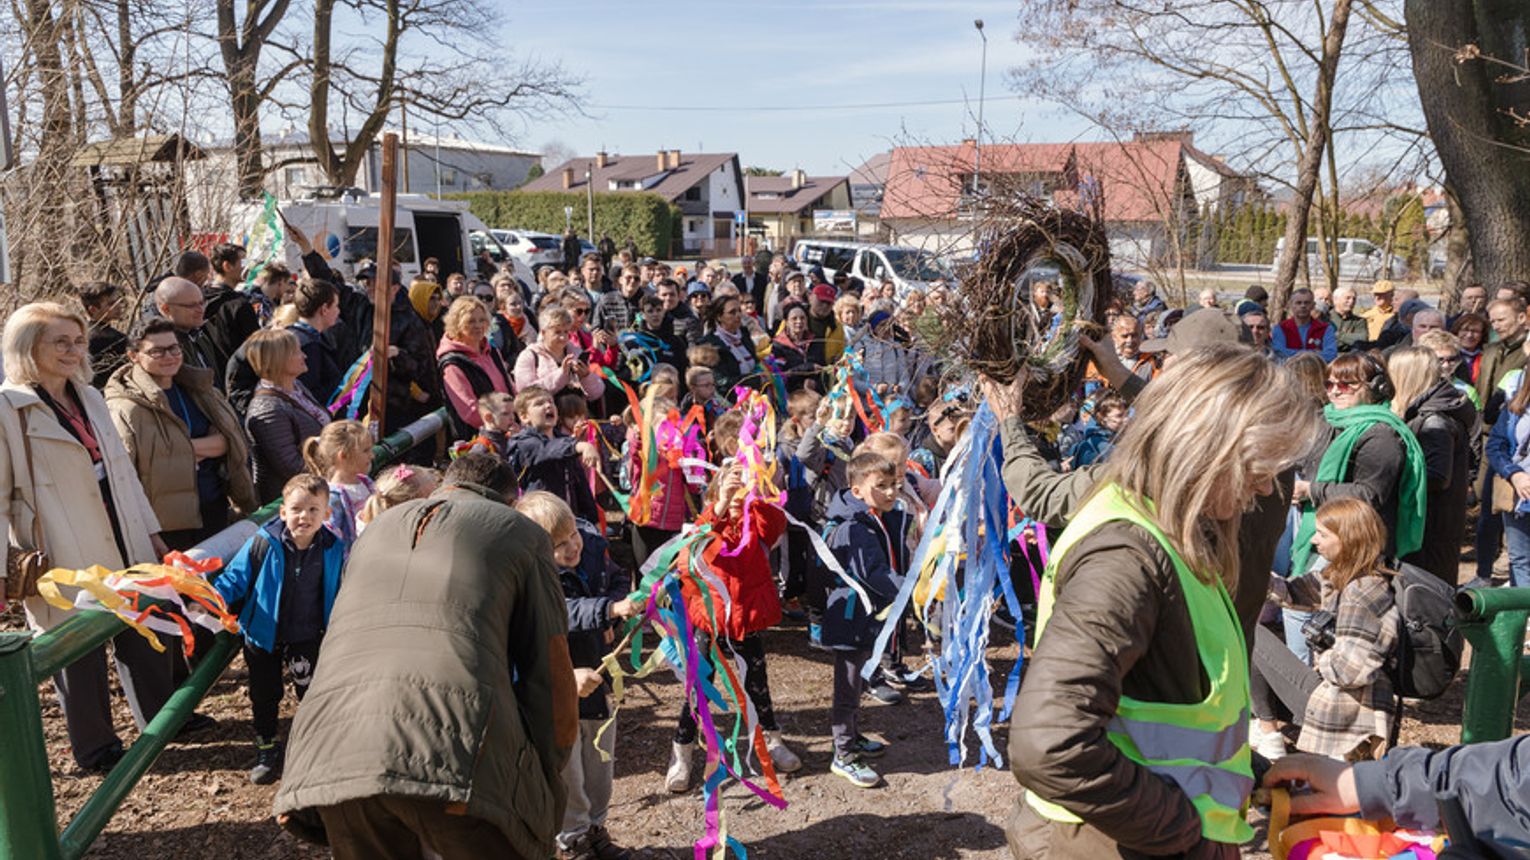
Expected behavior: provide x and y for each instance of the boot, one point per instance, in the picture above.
(781, 755)
(678, 779)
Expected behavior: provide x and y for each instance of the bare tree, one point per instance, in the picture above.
(241, 43)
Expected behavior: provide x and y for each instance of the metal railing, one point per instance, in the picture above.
(28, 819)
(1493, 621)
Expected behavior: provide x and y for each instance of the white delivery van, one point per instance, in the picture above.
(908, 268)
(343, 227)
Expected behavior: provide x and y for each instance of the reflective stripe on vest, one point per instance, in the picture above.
(1201, 747)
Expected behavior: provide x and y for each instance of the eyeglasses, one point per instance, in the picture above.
(488, 300)
(579, 312)
(160, 352)
(1339, 386)
(66, 345)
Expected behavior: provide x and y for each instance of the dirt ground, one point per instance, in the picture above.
(196, 802)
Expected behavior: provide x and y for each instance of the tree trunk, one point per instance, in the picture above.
(1311, 163)
(340, 168)
(1458, 253)
(42, 229)
(1468, 109)
(247, 147)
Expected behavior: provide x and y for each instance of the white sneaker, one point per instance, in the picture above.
(1271, 745)
(678, 780)
(781, 755)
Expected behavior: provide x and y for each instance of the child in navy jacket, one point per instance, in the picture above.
(283, 582)
(546, 458)
(869, 545)
(595, 591)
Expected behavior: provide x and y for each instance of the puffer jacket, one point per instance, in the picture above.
(468, 373)
(862, 542)
(751, 586)
(444, 675)
(159, 442)
(1445, 423)
(278, 426)
(1119, 627)
(588, 592)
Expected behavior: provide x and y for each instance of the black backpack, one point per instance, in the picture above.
(1430, 643)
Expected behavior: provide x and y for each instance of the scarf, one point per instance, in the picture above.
(742, 351)
(1413, 484)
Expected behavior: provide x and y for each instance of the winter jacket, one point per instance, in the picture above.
(1093, 447)
(108, 350)
(536, 366)
(1353, 703)
(76, 525)
(730, 370)
(1373, 475)
(792, 361)
(230, 319)
(158, 440)
(324, 369)
(672, 509)
(278, 426)
(444, 674)
(615, 312)
(1119, 627)
(588, 592)
(468, 373)
(683, 323)
(251, 583)
(754, 603)
(822, 468)
(1491, 779)
(873, 551)
(1349, 331)
(1445, 423)
(552, 464)
(414, 368)
(1498, 358)
(506, 341)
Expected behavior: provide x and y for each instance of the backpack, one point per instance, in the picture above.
(1429, 642)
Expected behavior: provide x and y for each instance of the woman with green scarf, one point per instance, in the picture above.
(1371, 455)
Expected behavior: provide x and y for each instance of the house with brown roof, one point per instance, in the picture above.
(1150, 191)
(707, 188)
(781, 208)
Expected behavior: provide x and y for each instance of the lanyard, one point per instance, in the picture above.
(178, 400)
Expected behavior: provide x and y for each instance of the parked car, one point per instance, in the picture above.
(908, 268)
(536, 249)
(1359, 259)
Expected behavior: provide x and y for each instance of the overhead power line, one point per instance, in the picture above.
(754, 108)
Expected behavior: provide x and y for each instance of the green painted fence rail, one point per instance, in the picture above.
(1493, 621)
(28, 819)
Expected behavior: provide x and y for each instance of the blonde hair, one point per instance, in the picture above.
(284, 315)
(457, 316)
(1219, 420)
(23, 336)
(548, 511)
(1439, 339)
(398, 485)
(269, 351)
(554, 317)
(1414, 371)
(337, 439)
(889, 445)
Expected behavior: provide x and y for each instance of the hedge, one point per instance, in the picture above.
(650, 220)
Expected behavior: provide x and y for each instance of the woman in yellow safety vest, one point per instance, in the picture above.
(1130, 735)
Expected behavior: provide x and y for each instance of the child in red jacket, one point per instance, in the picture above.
(751, 605)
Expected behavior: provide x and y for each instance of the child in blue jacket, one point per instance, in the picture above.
(282, 582)
(869, 545)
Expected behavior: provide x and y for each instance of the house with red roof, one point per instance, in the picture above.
(1150, 192)
(707, 188)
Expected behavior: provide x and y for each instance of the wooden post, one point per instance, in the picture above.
(382, 285)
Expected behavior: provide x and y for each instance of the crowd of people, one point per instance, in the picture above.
(1234, 492)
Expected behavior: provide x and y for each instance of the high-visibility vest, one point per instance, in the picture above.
(1201, 747)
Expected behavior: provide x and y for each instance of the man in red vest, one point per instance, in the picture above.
(1303, 331)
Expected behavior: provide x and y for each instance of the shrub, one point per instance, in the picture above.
(649, 219)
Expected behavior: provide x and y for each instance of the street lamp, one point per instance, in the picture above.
(977, 167)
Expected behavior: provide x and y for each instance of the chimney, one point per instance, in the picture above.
(600, 160)
(799, 179)
(674, 159)
(969, 141)
(663, 160)
(568, 178)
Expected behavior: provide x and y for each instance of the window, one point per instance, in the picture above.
(693, 193)
(295, 176)
(448, 176)
(1361, 246)
(361, 244)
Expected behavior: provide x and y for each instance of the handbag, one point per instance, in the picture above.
(1505, 500)
(23, 567)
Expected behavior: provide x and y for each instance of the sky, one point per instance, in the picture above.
(803, 60)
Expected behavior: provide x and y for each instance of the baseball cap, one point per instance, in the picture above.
(697, 288)
(648, 261)
(1204, 327)
(1411, 307)
(1382, 287)
(825, 293)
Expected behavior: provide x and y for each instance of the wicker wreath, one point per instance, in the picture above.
(1030, 242)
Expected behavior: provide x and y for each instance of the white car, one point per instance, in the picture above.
(535, 249)
(1358, 259)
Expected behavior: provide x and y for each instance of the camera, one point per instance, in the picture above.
(1319, 630)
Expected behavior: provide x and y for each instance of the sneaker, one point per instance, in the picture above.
(865, 747)
(268, 762)
(581, 848)
(855, 771)
(678, 779)
(602, 848)
(792, 610)
(884, 694)
(1271, 745)
(781, 755)
(901, 678)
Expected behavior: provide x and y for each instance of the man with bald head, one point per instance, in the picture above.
(180, 301)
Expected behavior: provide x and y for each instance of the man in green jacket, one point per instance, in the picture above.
(443, 706)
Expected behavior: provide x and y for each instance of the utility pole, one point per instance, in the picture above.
(977, 167)
(382, 284)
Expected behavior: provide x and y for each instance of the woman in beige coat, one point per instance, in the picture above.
(63, 454)
(184, 438)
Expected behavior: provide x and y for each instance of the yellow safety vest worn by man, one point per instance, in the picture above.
(1201, 747)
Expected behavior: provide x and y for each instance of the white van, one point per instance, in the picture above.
(1358, 258)
(908, 268)
(343, 229)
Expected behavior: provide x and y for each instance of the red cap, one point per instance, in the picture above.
(825, 293)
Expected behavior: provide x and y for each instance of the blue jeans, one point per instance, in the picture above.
(1516, 535)
(1292, 620)
(1490, 526)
